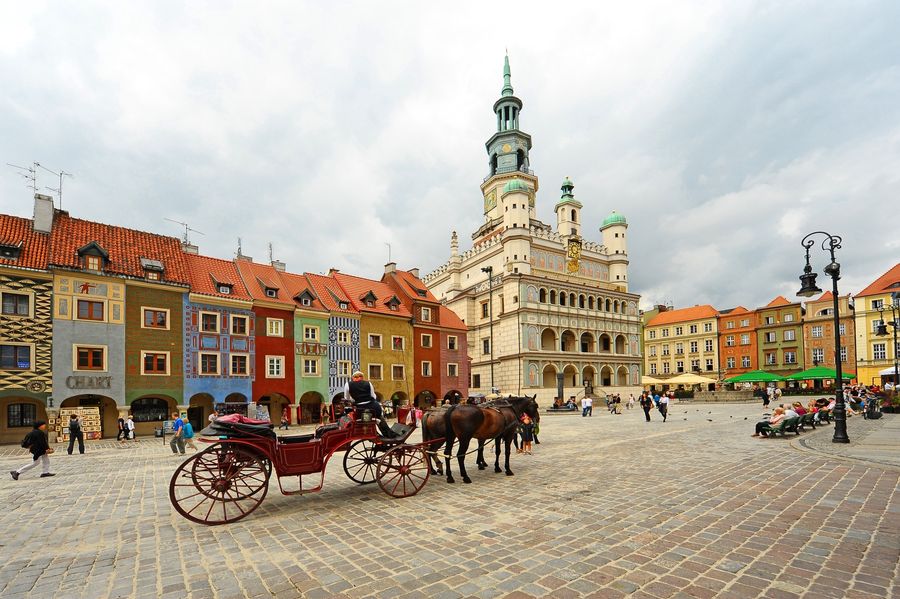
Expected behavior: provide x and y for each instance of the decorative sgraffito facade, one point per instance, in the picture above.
(343, 352)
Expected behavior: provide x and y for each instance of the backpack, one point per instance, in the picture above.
(26, 442)
(74, 427)
(188, 430)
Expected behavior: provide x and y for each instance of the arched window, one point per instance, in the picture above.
(552, 296)
(616, 306)
(581, 301)
(590, 302)
(150, 409)
(542, 296)
(562, 299)
(608, 304)
(20, 415)
(574, 216)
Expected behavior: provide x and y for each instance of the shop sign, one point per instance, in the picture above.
(88, 382)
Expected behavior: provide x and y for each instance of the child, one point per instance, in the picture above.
(527, 433)
(36, 443)
(189, 435)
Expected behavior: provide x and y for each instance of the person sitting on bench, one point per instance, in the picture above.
(363, 393)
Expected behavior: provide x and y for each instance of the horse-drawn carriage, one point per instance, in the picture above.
(229, 479)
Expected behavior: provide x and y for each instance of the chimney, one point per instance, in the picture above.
(390, 267)
(279, 265)
(189, 248)
(243, 258)
(43, 213)
(414, 272)
(332, 272)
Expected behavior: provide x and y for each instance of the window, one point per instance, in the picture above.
(375, 372)
(398, 372)
(729, 324)
(709, 364)
(652, 350)
(20, 415)
(152, 275)
(451, 342)
(92, 262)
(310, 333)
(770, 359)
(275, 327)
(652, 335)
(679, 349)
(274, 367)
(729, 341)
(879, 351)
(397, 343)
(370, 303)
(90, 358)
(666, 368)
(343, 337)
(770, 337)
(842, 329)
(155, 318)
(374, 341)
(679, 366)
(271, 292)
(695, 365)
(343, 305)
(843, 353)
(770, 320)
(818, 355)
(729, 362)
(692, 328)
(150, 409)
(209, 363)
(680, 330)
(155, 362)
(745, 339)
(745, 322)
(239, 364)
(817, 331)
(239, 325)
(16, 304)
(486, 346)
(790, 357)
(707, 327)
(694, 346)
(453, 370)
(209, 322)
(426, 314)
(745, 361)
(877, 304)
(665, 332)
(88, 310)
(485, 311)
(665, 349)
(224, 289)
(789, 317)
(653, 368)
(476, 381)
(708, 345)
(343, 368)
(426, 368)
(790, 335)
(876, 324)
(15, 357)
(310, 367)
(426, 340)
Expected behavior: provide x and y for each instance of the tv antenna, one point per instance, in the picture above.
(60, 174)
(184, 238)
(29, 173)
(271, 253)
(389, 251)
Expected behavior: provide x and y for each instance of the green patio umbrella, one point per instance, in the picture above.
(819, 372)
(755, 376)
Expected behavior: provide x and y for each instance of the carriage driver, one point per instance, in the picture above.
(363, 393)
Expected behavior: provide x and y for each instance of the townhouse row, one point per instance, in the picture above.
(126, 321)
(782, 337)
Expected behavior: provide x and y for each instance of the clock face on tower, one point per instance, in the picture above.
(490, 200)
(506, 148)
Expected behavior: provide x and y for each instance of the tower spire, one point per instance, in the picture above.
(507, 85)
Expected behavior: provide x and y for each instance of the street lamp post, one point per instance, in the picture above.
(895, 323)
(490, 273)
(808, 288)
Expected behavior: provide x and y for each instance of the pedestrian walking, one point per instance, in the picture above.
(285, 419)
(123, 433)
(663, 406)
(177, 442)
(75, 432)
(630, 403)
(646, 404)
(189, 435)
(590, 401)
(36, 443)
(584, 406)
(129, 428)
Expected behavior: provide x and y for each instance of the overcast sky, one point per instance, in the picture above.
(724, 132)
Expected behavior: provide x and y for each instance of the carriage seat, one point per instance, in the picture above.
(235, 425)
(401, 430)
(325, 428)
(296, 438)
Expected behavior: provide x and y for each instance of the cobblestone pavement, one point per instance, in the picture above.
(609, 506)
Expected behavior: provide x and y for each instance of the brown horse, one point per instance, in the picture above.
(497, 420)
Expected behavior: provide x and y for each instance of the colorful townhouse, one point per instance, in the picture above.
(779, 337)
(440, 352)
(26, 342)
(737, 341)
(875, 348)
(342, 335)
(273, 308)
(310, 349)
(219, 332)
(386, 356)
(818, 334)
(94, 363)
(684, 340)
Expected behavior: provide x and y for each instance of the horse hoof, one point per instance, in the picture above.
(509, 473)
(450, 481)
(481, 466)
(467, 480)
(498, 470)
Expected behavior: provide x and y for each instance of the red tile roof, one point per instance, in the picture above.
(17, 231)
(357, 288)
(205, 272)
(412, 287)
(683, 315)
(778, 302)
(330, 293)
(295, 285)
(450, 320)
(733, 312)
(257, 277)
(825, 296)
(886, 283)
(125, 247)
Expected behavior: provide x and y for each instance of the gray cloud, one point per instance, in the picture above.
(723, 132)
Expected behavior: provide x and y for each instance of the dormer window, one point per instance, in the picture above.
(92, 262)
(370, 303)
(343, 305)
(93, 256)
(369, 299)
(393, 307)
(152, 275)
(305, 298)
(223, 289)
(10, 252)
(153, 269)
(393, 304)
(270, 292)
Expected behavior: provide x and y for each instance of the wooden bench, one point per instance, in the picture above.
(808, 419)
(788, 425)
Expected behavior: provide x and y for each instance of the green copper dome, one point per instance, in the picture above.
(614, 218)
(516, 185)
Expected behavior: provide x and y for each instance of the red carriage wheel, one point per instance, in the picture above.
(219, 485)
(403, 471)
(361, 461)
